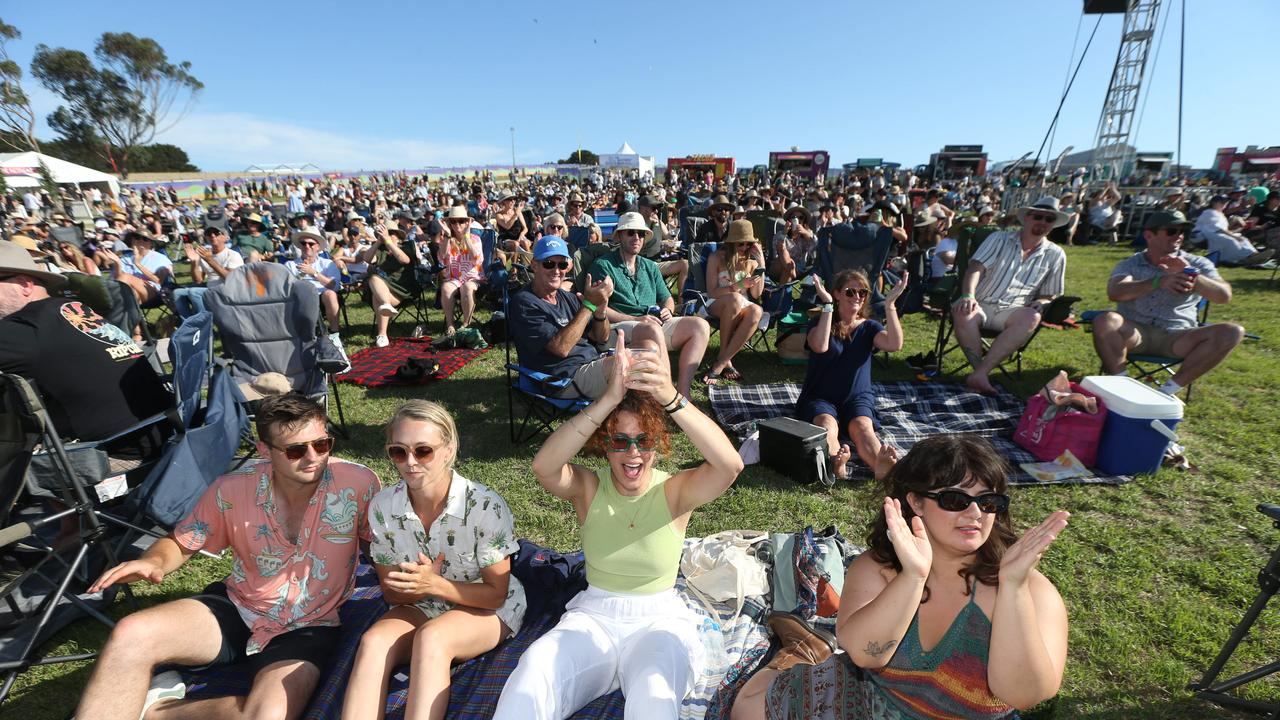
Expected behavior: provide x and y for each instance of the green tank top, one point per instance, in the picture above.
(630, 543)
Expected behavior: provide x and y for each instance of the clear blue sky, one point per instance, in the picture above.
(379, 84)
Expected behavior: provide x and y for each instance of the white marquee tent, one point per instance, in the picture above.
(628, 158)
(22, 170)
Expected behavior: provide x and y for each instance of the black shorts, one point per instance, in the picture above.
(311, 644)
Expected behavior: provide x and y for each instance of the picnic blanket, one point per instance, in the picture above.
(375, 367)
(906, 411)
(551, 579)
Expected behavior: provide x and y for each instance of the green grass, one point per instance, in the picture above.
(1154, 573)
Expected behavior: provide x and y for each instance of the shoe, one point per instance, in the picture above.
(800, 643)
(168, 685)
(381, 341)
(1268, 265)
(388, 310)
(337, 343)
(1259, 258)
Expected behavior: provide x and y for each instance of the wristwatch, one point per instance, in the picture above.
(827, 307)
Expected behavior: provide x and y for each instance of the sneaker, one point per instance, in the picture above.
(381, 341)
(337, 343)
(1268, 265)
(168, 685)
(388, 310)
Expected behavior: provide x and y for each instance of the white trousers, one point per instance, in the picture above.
(647, 645)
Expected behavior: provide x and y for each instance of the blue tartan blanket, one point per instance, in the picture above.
(906, 412)
(551, 579)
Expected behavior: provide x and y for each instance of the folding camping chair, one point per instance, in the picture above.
(55, 566)
(1054, 314)
(697, 302)
(535, 391)
(270, 322)
(862, 246)
(1151, 368)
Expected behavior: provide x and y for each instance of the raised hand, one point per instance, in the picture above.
(910, 542)
(621, 363)
(1025, 554)
(820, 290)
(598, 292)
(129, 572)
(897, 290)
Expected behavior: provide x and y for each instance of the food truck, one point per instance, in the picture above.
(811, 164)
(721, 166)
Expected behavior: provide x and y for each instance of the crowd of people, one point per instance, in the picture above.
(945, 569)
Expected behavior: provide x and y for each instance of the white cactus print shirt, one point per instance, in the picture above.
(474, 531)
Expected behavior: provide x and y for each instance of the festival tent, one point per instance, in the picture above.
(22, 170)
(628, 158)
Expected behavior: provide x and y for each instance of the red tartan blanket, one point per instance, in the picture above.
(375, 367)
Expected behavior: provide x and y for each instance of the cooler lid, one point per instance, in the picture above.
(1133, 398)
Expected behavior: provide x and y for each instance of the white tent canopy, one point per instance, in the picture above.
(628, 158)
(22, 170)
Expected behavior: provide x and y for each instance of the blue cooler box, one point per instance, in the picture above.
(1141, 422)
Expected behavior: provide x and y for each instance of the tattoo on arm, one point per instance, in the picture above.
(875, 649)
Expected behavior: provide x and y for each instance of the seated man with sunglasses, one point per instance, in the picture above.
(1010, 279)
(1157, 294)
(640, 296)
(557, 332)
(295, 524)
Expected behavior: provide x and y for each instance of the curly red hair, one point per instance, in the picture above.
(652, 418)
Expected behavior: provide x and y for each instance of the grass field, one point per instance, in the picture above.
(1154, 573)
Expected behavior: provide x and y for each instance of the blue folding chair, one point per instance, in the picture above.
(536, 391)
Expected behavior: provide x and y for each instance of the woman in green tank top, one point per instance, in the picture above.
(944, 616)
(629, 629)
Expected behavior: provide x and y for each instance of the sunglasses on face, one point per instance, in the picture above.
(622, 443)
(311, 244)
(554, 228)
(630, 233)
(554, 265)
(399, 454)
(297, 451)
(860, 293)
(957, 501)
(1042, 217)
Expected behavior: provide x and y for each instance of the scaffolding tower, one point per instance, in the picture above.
(1114, 126)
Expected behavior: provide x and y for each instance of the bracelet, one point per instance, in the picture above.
(672, 401)
(967, 296)
(589, 418)
(1155, 282)
(828, 308)
(681, 402)
(589, 305)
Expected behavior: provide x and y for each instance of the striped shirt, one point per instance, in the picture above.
(1010, 281)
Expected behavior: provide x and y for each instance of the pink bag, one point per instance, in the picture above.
(1070, 429)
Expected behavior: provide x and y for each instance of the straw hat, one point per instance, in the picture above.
(265, 385)
(457, 212)
(321, 240)
(741, 231)
(721, 202)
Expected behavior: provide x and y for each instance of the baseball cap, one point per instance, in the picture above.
(1165, 218)
(550, 246)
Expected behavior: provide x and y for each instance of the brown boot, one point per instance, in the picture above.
(801, 643)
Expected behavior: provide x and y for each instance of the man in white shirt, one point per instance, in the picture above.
(1232, 247)
(209, 265)
(321, 272)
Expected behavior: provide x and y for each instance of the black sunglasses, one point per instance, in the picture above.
(322, 446)
(399, 454)
(861, 293)
(553, 265)
(630, 233)
(1042, 217)
(958, 501)
(621, 443)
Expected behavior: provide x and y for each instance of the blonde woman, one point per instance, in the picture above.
(735, 279)
(441, 547)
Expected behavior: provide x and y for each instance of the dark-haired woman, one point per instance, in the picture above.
(945, 615)
(836, 394)
(629, 629)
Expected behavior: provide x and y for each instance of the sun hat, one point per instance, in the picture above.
(720, 202)
(457, 212)
(265, 385)
(254, 218)
(14, 259)
(986, 210)
(649, 201)
(321, 240)
(576, 197)
(1165, 218)
(741, 231)
(508, 195)
(27, 242)
(549, 246)
(1048, 203)
(796, 211)
(632, 221)
(923, 218)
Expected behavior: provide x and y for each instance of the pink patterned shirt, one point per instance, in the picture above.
(277, 585)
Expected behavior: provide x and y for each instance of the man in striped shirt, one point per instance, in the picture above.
(1010, 279)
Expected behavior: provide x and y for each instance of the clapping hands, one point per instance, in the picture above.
(1024, 555)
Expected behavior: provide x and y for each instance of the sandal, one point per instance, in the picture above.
(712, 378)
(731, 373)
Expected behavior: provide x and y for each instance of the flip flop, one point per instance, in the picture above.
(712, 379)
(731, 373)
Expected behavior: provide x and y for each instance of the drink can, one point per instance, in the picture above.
(654, 310)
(1191, 271)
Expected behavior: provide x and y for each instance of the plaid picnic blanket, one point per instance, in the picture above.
(907, 412)
(375, 367)
(733, 649)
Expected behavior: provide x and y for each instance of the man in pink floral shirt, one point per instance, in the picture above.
(295, 525)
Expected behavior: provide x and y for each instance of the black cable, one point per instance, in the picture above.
(1065, 92)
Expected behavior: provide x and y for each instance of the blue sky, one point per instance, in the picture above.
(380, 84)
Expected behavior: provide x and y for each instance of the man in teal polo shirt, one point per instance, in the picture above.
(641, 296)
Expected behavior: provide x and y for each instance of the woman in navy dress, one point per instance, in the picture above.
(837, 387)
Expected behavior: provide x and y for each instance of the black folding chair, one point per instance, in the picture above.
(534, 391)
